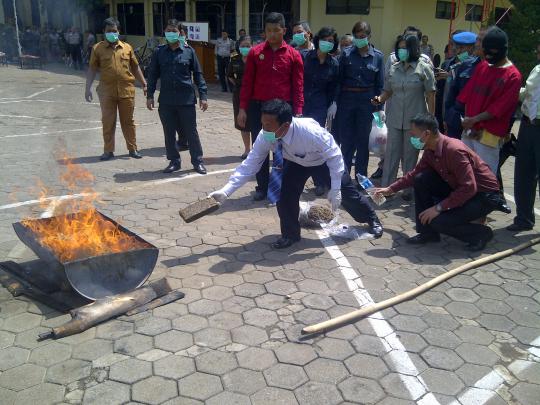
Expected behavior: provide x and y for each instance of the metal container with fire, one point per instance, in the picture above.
(89, 252)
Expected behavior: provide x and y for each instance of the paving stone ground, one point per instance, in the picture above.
(235, 337)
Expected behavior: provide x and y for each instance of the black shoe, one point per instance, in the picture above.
(375, 227)
(181, 146)
(106, 156)
(320, 190)
(243, 156)
(283, 243)
(259, 195)
(503, 207)
(378, 173)
(200, 168)
(518, 228)
(423, 238)
(174, 166)
(135, 154)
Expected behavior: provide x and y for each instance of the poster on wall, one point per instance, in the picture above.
(197, 31)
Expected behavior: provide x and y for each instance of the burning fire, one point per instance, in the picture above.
(77, 230)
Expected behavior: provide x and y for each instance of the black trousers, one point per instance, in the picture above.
(76, 56)
(222, 64)
(181, 118)
(526, 171)
(255, 126)
(430, 189)
(294, 180)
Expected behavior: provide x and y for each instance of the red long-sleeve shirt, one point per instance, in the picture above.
(270, 74)
(459, 166)
(495, 90)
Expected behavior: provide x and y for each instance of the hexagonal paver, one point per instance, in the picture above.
(225, 320)
(204, 307)
(171, 311)
(256, 358)
(217, 293)
(133, 345)
(364, 365)
(477, 354)
(496, 322)
(244, 381)
(190, 323)
(51, 354)
(285, 376)
(229, 398)
(294, 353)
(174, 367)
(474, 334)
(200, 386)
(173, 341)
(403, 386)
(238, 304)
(41, 394)
(272, 396)
(93, 349)
(355, 388)
(318, 301)
(108, 392)
(473, 375)
(114, 329)
(6, 339)
(441, 338)
(215, 362)
(326, 370)
(250, 290)
(336, 349)
(526, 370)
(442, 358)
(309, 316)
(22, 377)
(152, 326)
(249, 335)
(463, 309)
(316, 393)
(260, 317)
(280, 287)
(271, 301)
(413, 342)
(370, 345)
(442, 382)
(130, 371)
(526, 393)
(68, 371)
(154, 390)
(21, 322)
(12, 357)
(462, 294)
(408, 323)
(212, 337)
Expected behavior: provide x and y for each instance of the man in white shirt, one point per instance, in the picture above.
(307, 148)
(224, 48)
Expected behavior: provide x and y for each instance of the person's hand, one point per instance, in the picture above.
(468, 122)
(145, 89)
(219, 195)
(203, 104)
(88, 95)
(385, 191)
(241, 118)
(428, 215)
(441, 75)
(334, 197)
(331, 112)
(150, 103)
(376, 101)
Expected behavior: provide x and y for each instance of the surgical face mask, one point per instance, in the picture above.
(270, 136)
(417, 143)
(182, 40)
(360, 42)
(403, 55)
(244, 50)
(111, 37)
(172, 37)
(325, 46)
(299, 39)
(462, 56)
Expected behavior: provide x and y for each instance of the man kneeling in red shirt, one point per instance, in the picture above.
(452, 187)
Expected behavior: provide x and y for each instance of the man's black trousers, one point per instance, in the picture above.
(292, 186)
(430, 189)
(181, 118)
(222, 64)
(255, 126)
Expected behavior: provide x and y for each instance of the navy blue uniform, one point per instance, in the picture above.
(453, 110)
(360, 79)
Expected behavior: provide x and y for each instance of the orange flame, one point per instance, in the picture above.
(77, 230)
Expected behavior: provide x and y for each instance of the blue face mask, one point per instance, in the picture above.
(244, 50)
(299, 39)
(417, 143)
(111, 37)
(172, 37)
(325, 46)
(403, 55)
(360, 42)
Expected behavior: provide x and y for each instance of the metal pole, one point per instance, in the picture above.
(17, 29)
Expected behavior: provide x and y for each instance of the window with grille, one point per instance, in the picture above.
(131, 17)
(443, 10)
(474, 12)
(347, 7)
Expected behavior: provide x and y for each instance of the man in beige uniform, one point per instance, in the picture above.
(118, 68)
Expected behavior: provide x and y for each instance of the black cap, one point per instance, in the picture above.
(495, 38)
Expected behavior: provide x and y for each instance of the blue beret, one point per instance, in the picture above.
(464, 38)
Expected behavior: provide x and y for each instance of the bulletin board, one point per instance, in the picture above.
(197, 31)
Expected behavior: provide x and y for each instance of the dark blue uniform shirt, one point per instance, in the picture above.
(362, 71)
(320, 83)
(175, 69)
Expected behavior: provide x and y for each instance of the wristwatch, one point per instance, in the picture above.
(438, 207)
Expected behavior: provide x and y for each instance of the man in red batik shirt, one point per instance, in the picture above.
(273, 70)
(452, 188)
(490, 97)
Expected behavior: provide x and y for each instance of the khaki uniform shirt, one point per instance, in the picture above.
(115, 63)
(409, 88)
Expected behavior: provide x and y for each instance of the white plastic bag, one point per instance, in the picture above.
(377, 139)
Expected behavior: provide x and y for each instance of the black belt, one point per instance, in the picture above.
(535, 122)
(357, 89)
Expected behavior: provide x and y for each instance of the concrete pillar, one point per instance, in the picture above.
(2, 16)
(43, 15)
(148, 18)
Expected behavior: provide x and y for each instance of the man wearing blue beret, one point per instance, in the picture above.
(461, 72)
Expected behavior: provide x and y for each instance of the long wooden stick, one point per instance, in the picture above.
(376, 307)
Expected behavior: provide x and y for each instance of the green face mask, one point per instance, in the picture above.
(417, 143)
(462, 56)
(325, 46)
(172, 37)
(360, 42)
(299, 39)
(244, 50)
(403, 55)
(269, 136)
(111, 37)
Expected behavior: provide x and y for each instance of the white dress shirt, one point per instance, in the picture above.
(530, 94)
(305, 143)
